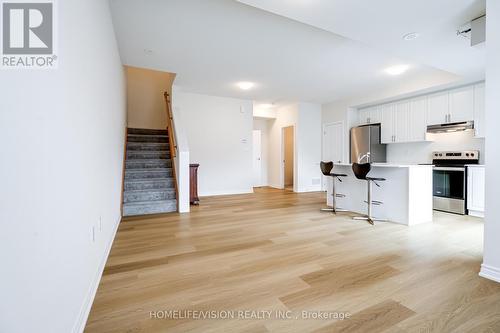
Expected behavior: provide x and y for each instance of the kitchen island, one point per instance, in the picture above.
(406, 194)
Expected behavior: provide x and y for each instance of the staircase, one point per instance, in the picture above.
(149, 184)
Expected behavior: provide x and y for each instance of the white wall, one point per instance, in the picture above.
(260, 112)
(62, 134)
(219, 134)
(145, 99)
(306, 118)
(264, 125)
(309, 147)
(285, 116)
(421, 152)
(491, 263)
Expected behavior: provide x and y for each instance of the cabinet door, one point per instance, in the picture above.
(438, 108)
(364, 116)
(401, 122)
(375, 115)
(462, 104)
(479, 103)
(475, 189)
(418, 119)
(387, 123)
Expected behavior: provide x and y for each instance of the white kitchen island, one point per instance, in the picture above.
(406, 194)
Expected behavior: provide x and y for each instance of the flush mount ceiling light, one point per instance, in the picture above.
(411, 36)
(245, 85)
(397, 70)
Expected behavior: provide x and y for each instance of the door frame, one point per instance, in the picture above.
(260, 182)
(323, 146)
(282, 161)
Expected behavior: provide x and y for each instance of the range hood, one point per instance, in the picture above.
(451, 127)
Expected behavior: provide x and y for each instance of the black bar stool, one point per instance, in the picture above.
(326, 169)
(360, 171)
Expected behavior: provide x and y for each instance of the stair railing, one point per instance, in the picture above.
(172, 142)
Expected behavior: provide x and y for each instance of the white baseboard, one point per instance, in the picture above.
(89, 300)
(489, 272)
(310, 189)
(476, 213)
(226, 192)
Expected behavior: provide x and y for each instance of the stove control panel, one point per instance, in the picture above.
(456, 155)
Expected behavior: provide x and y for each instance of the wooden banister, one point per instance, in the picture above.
(170, 126)
(172, 142)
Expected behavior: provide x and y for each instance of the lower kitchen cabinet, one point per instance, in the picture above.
(475, 190)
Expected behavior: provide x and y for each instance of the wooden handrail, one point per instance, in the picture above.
(172, 143)
(170, 126)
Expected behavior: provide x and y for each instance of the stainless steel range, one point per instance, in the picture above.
(450, 179)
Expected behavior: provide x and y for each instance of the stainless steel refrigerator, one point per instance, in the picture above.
(366, 145)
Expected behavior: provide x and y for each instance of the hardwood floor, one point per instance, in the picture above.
(275, 251)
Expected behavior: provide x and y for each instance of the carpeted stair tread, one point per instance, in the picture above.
(149, 186)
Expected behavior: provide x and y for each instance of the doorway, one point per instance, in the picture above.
(288, 149)
(333, 144)
(257, 158)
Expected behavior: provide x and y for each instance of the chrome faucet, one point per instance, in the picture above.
(365, 156)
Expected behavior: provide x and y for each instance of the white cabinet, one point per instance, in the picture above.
(479, 109)
(369, 116)
(387, 123)
(407, 120)
(461, 104)
(475, 190)
(394, 119)
(438, 108)
(418, 119)
(401, 122)
(404, 121)
(364, 116)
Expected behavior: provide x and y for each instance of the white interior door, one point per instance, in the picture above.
(333, 144)
(257, 158)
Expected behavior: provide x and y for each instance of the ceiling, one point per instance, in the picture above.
(382, 24)
(319, 52)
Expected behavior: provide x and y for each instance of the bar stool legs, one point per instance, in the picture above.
(334, 208)
(369, 217)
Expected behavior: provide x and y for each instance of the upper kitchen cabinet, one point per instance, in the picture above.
(407, 120)
(438, 109)
(418, 119)
(461, 105)
(402, 122)
(387, 123)
(479, 109)
(369, 116)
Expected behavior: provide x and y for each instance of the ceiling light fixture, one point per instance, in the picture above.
(411, 36)
(245, 85)
(397, 70)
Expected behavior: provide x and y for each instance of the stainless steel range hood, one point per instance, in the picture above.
(451, 127)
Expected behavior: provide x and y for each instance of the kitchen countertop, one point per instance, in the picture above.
(391, 165)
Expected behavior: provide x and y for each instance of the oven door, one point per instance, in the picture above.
(449, 189)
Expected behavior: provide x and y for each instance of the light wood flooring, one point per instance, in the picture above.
(275, 251)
